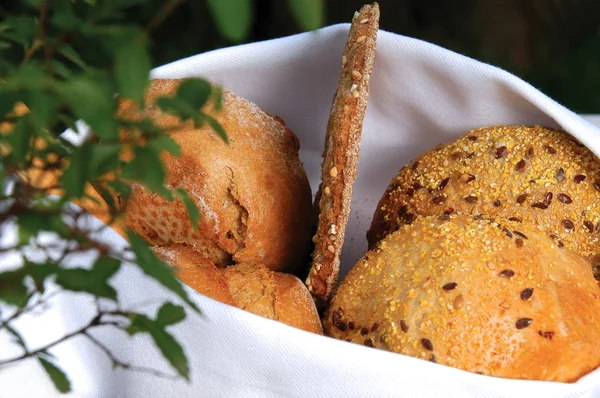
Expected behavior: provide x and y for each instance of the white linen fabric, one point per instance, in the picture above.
(421, 95)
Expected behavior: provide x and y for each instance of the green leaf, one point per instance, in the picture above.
(12, 288)
(166, 143)
(19, 139)
(195, 92)
(8, 99)
(42, 107)
(233, 17)
(170, 314)
(19, 340)
(191, 207)
(92, 101)
(66, 21)
(157, 269)
(103, 157)
(23, 28)
(36, 220)
(218, 97)
(177, 107)
(58, 377)
(147, 168)
(60, 69)
(132, 68)
(105, 267)
(307, 13)
(69, 53)
(4, 45)
(166, 343)
(214, 124)
(83, 280)
(75, 176)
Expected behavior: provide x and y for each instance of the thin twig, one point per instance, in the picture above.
(119, 364)
(162, 14)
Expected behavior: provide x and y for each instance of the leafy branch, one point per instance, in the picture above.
(61, 62)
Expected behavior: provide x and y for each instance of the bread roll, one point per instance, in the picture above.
(532, 174)
(495, 297)
(253, 194)
(251, 287)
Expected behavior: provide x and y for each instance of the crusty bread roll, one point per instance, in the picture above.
(253, 194)
(496, 297)
(532, 174)
(251, 287)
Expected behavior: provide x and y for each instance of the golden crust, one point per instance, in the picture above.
(342, 151)
(253, 194)
(490, 296)
(534, 174)
(250, 287)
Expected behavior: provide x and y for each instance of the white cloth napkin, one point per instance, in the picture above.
(421, 95)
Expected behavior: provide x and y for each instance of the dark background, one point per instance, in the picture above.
(552, 44)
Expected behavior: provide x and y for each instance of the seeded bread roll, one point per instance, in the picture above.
(251, 287)
(495, 297)
(253, 193)
(529, 174)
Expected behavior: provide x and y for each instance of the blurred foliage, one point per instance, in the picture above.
(553, 44)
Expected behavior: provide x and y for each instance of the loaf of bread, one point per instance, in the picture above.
(496, 297)
(253, 193)
(530, 174)
(251, 287)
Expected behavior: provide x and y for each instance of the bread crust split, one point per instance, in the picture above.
(492, 296)
(250, 287)
(341, 154)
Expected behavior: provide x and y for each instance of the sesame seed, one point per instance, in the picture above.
(589, 225)
(355, 93)
(501, 152)
(356, 74)
(523, 323)
(508, 233)
(344, 60)
(515, 219)
(519, 242)
(540, 205)
(550, 150)
(497, 203)
(315, 238)
(369, 343)
(466, 178)
(374, 327)
(450, 286)
(333, 172)
(439, 199)
(353, 88)
(507, 273)
(597, 186)
(521, 234)
(472, 137)
(520, 167)
(361, 39)
(351, 325)
(341, 325)
(548, 198)
(364, 20)
(327, 191)
(560, 244)
(364, 331)
(331, 249)
(404, 326)
(471, 199)
(346, 108)
(332, 229)
(527, 293)
(427, 344)
(579, 178)
(560, 175)
(530, 152)
(433, 359)
(332, 237)
(458, 301)
(444, 183)
(547, 335)
(564, 198)
(521, 198)
(568, 224)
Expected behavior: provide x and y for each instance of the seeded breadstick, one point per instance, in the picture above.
(526, 174)
(341, 151)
